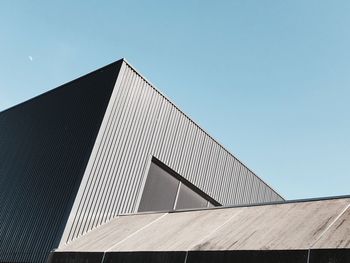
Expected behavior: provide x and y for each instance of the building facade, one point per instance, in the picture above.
(106, 144)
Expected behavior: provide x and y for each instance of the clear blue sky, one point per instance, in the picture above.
(270, 80)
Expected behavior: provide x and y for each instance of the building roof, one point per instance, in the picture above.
(290, 231)
(292, 225)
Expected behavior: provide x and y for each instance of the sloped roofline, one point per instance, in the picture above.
(165, 97)
(294, 201)
(191, 119)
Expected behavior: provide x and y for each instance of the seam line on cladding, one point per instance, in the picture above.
(103, 257)
(186, 256)
(216, 229)
(136, 232)
(330, 225)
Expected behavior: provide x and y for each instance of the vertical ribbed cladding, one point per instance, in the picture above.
(140, 123)
(45, 144)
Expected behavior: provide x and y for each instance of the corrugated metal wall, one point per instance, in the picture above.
(141, 122)
(45, 145)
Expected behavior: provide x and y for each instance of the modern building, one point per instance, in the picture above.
(106, 169)
(107, 144)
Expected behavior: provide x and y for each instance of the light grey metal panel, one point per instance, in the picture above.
(217, 178)
(258, 187)
(117, 150)
(174, 135)
(177, 152)
(144, 145)
(234, 197)
(212, 164)
(196, 152)
(174, 143)
(269, 195)
(131, 149)
(228, 176)
(255, 189)
(225, 175)
(249, 192)
(266, 194)
(231, 192)
(212, 167)
(275, 196)
(258, 190)
(242, 184)
(249, 187)
(204, 161)
(263, 192)
(169, 135)
(168, 121)
(161, 128)
(139, 123)
(187, 150)
(245, 186)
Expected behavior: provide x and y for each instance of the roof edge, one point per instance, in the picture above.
(191, 119)
(314, 199)
(64, 84)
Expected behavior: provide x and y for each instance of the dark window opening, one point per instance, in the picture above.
(166, 190)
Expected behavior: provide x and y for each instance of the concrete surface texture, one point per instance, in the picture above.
(287, 226)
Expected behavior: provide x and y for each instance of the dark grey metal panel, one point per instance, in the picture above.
(45, 144)
(145, 257)
(248, 256)
(222, 256)
(335, 255)
(75, 257)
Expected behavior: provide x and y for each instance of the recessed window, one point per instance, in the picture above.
(160, 190)
(187, 198)
(166, 190)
